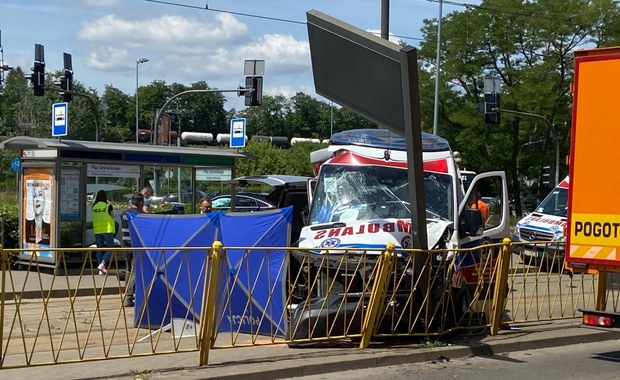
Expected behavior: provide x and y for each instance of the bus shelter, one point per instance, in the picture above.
(59, 178)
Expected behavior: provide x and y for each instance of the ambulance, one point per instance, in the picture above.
(361, 195)
(546, 226)
(360, 199)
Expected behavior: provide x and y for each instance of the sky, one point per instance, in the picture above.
(187, 41)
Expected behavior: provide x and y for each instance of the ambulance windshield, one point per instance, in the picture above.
(354, 192)
(556, 203)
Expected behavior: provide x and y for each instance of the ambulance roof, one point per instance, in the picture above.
(385, 139)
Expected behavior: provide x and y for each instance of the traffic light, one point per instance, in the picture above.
(491, 108)
(66, 84)
(548, 176)
(38, 71)
(38, 79)
(254, 91)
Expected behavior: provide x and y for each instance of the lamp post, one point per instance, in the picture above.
(555, 135)
(437, 72)
(138, 62)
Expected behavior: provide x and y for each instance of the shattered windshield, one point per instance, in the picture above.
(349, 193)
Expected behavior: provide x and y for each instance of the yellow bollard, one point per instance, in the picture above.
(601, 292)
(500, 291)
(209, 307)
(385, 266)
(4, 262)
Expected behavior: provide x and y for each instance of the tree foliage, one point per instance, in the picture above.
(526, 45)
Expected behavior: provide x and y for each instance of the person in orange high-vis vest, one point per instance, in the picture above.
(104, 229)
(482, 206)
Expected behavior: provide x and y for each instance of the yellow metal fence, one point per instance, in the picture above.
(197, 299)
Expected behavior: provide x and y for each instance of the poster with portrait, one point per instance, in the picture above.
(38, 211)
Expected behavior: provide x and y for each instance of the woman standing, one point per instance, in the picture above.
(103, 228)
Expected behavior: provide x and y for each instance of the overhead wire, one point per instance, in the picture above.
(556, 17)
(269, 18)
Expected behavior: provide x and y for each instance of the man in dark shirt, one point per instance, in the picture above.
(136, 207)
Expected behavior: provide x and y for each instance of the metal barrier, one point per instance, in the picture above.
(352, 294)
(197, 299)
(540, 288)
(80, 315)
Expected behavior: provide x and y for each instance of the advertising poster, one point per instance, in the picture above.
(69, 194)
(37, 210)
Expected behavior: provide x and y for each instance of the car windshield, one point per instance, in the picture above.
(556, 203)
(347, 192)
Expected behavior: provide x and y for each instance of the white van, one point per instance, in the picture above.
(546, 223)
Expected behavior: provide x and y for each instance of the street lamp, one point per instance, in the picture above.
(555, 135)
(138, 62)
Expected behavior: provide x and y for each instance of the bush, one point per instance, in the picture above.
(9, 213)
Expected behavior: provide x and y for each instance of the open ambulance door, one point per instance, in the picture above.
(484, 213)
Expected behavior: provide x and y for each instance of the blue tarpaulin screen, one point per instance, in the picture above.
(170, 274)
(253, 285)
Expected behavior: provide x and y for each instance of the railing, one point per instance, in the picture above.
(197, 299)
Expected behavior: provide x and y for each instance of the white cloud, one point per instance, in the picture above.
(391, 37)
(172, 35)
(108, 58)
(102, 3)
(278, 50)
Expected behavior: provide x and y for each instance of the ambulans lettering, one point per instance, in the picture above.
(545, 220)
(373, 227)
(390, 227)
(597, 229)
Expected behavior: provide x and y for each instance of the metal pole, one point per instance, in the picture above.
(137, 101)
(331, 120)
(138, 62)
(163, 108)
(555, 135)
(437, 65)
(385, 19)
(179, 168)
(557, 155)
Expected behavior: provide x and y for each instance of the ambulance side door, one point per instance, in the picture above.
(484, 213)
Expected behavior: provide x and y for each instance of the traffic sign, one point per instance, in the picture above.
(16, 163)
(59, 119)
(237, 133)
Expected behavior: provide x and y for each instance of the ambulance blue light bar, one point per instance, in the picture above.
(385, 139)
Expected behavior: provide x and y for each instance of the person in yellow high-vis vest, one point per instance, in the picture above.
(103, 228)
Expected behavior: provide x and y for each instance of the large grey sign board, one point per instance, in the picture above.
(356, 69)
(378, 80)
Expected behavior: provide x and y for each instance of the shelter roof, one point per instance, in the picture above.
(80, 149)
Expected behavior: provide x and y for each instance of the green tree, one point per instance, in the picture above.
(119, 115)
(266, 160)
(528, 46)
(270, 118)
(310, 117)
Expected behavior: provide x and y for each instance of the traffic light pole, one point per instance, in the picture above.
(555, 134)
(163, 108)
